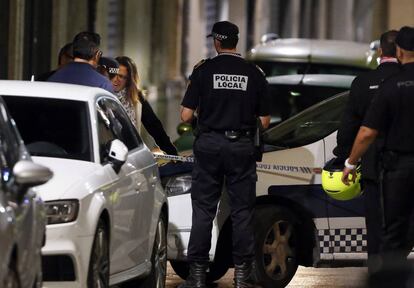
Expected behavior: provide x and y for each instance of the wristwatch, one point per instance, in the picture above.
(348, 165)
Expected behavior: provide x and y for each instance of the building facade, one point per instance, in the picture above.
(166, 38)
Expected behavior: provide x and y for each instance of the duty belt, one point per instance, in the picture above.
(230, 134)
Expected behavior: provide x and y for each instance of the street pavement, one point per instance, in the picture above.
(349, 277)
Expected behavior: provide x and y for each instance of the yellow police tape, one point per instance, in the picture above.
(260, 166)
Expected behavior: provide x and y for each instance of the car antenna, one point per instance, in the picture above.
(308, 66)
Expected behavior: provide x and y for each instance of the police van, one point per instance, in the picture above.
(296, 222)
(278, 56)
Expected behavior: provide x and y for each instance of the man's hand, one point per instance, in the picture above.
(187, 114)
(345, 175)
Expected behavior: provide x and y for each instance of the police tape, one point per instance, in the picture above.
(260, 166)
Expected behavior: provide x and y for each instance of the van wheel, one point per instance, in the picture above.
(276, 261)
(12, 278)
(98, 275)
(216, 270)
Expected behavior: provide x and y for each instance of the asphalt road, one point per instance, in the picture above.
(350, 277)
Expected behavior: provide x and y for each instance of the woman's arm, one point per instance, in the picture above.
(156, 130)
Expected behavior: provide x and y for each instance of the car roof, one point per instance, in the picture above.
(51, 90)
(324, 80)
(315, 51)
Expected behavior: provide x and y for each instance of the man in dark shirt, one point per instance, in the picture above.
(228, 94)
(82, 70)
(363, 89)
(392, 113)
(65, 56)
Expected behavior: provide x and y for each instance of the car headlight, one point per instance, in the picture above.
(64, 211)
(178, 185)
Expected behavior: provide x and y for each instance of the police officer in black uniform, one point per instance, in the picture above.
(363, 89)
(229, 94)
(392, 113)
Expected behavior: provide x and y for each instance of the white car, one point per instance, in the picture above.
(296, 222)
(22, 217)
(106, 210)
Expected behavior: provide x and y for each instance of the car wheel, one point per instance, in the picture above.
(216, 269)
(12, 278)
(275, 246)
(158, 274)
(98, 275)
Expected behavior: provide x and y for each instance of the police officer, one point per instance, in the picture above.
(363, 89)
(228, 94)
(392, 113)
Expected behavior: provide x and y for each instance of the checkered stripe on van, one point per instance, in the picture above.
(342, 240)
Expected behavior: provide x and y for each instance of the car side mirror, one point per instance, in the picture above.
(29, 174)
(118, 154)
(183, 128)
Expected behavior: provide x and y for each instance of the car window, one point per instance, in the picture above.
(119, 123)
(288, 100)
(309, 126)
(273, 68)
(53, 127)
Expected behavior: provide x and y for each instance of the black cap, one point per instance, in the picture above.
(109, 64)
(223, 30)
(405, 38)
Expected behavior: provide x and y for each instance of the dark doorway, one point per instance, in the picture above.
(37, 37)
(4, 39)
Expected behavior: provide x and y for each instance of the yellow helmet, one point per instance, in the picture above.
(333, 185)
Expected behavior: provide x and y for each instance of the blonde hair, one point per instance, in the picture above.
(134, 93)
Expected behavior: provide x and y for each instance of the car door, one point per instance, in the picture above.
(130, 210)
(25, 224)
(347, 233)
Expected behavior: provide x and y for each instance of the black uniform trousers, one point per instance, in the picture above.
(218, 159)
(398, 199)
(373, 221)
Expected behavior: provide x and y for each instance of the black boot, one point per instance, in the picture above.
(244, 276)
(197, 277)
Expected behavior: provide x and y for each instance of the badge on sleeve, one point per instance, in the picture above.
(200, 63)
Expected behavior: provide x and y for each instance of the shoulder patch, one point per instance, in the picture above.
(199, 64)
(260, 70)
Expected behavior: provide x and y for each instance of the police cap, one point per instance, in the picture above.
(223, 30)
(405, 38)
(109, 64)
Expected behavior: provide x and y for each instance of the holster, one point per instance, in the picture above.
(258, 141)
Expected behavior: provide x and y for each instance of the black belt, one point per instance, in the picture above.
(230, 134)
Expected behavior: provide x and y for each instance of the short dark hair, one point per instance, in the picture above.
(86, 44)
(66, 50)
(387, 43)
(229, 43)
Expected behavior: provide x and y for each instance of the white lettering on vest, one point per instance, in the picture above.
(227, 81)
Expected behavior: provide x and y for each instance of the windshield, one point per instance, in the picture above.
(288, 100)
(53, 127)
(309, 126)
(271, 68)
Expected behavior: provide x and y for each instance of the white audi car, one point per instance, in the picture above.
(106, 211)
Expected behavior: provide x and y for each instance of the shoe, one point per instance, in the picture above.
(197, 277)
(244, 276)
